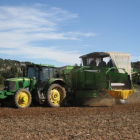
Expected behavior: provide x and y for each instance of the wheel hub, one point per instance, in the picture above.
(22, 99)
(55, 96)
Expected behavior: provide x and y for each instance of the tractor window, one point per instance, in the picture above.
(44, 74)
(32, 72)
(51, 72)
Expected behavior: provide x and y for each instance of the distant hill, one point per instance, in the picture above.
(6, 64)
(11, 68)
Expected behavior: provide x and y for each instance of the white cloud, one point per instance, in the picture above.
(69, 57)
(20, 26)
(81, 34)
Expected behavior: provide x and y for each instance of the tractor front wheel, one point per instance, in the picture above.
(55, 95)
(22, 98)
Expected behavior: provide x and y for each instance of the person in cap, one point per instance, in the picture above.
(102, 63)
(93, 62)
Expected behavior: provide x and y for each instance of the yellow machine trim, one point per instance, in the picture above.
(22, 79)
(120, 94)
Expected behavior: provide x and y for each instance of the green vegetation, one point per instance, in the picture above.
(12, 73)
(11, 69)
(136, 66)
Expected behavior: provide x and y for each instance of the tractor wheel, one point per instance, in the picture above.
(55, 95)
(121, 101)
(22, 98)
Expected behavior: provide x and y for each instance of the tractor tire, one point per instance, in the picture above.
(55, 96)
(121, 101)
(22, 98)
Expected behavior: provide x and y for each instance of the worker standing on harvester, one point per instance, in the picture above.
(93, 62)
(110, 64)
(102, 63)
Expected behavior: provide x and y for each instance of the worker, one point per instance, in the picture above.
(110, 64)
(102, 63)
(93, 62)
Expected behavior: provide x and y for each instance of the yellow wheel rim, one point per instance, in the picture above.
(23, 99)
(55, 96)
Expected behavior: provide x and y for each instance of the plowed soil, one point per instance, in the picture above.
(91, 122)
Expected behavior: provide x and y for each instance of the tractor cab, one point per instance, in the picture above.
(40, 74)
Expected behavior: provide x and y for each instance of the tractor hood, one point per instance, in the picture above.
(13, 84)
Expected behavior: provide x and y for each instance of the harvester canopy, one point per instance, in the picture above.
(119, 60)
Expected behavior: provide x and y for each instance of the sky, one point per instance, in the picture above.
(58, 32)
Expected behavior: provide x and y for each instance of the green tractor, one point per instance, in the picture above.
(46, 84)
(38, 87)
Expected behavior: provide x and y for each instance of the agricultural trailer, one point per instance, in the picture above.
(46, 84)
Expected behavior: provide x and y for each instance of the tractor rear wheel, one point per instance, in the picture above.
(55, 95)
(22, 98)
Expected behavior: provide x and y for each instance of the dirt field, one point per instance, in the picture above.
(101, 123)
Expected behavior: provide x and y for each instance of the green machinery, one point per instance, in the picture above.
(46, 84)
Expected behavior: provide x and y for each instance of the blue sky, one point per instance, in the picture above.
(59, 31)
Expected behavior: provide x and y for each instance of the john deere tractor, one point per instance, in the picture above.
(38, 87)
(46, 84)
